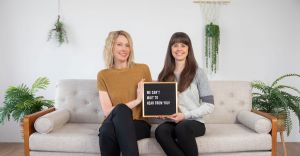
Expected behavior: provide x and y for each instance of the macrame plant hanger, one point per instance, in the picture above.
(58, 32)
(210, 10)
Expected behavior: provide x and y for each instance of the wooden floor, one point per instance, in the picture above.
(293, 149)
(11, 149)
(16, 149)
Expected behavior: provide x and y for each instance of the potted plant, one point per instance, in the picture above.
(21, 100)
(212, 41)
(277, 99)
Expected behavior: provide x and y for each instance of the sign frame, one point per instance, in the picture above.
(157, 83)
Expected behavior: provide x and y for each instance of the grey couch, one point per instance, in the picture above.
(71, 128)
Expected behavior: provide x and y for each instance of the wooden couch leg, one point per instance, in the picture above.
(26, 136)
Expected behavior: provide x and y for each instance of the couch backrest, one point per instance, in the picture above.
(81, 98)
(230, 98)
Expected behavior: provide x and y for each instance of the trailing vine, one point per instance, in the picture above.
(212, 41)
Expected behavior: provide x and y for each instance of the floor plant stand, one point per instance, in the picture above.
(282, 141)
(281, 129)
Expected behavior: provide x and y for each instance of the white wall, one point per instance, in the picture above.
(259, 40)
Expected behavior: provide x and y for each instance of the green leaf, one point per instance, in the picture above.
(20, 101)
(288, 87)
(282, 77)
(40, 83)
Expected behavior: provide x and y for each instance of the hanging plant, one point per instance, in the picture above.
(59, 33)
(212, 41)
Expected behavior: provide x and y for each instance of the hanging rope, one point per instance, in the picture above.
(210, 11)
(58, 7)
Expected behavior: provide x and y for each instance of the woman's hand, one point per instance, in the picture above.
(177, 117)
(139, 98)
(140, 90)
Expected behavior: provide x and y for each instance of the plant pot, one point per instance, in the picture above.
(280, 122)
(22, 128)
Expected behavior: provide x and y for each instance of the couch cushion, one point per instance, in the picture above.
(262, 153)
(218, 138)
(74, 137)
(232, 138)
(71, 137)
(230, 97)
(81, 98)
(258, 153)
(40, 153)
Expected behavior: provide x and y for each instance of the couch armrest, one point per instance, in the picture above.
(254, 121)
(273, 131)
(28, 127)
(54, 120)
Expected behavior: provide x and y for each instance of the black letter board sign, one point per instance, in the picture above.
(160, 99)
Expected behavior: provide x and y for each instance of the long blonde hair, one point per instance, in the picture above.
(109, 44)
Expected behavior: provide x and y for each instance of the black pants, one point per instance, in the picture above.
(178, 139)
(119, 133)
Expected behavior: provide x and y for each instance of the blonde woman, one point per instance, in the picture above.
(120, 94)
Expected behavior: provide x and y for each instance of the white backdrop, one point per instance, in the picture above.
(259, 40)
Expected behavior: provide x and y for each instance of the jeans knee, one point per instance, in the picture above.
(121, 108)
(162, 131)
(181, 130)
(106, 130)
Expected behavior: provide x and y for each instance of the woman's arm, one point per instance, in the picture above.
(204, 109)
(105, 103)
(205, 95)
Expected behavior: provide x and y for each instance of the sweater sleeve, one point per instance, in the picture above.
(205, 93)
(204, 109)
(206, 102)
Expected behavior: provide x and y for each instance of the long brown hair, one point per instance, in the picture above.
(188, 73)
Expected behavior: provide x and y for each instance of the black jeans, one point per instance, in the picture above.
(119, 133)
(178, 139)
